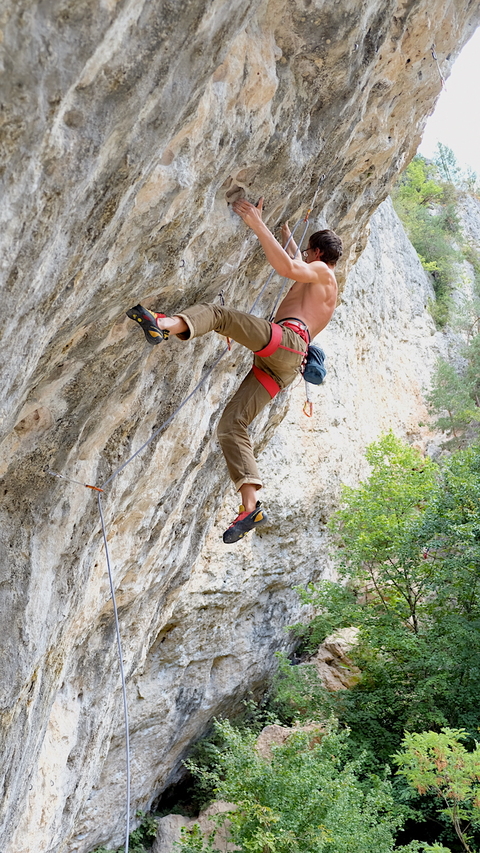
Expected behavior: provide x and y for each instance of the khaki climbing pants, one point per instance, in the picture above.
(283, 366)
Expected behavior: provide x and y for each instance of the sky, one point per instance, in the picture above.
(456, 119)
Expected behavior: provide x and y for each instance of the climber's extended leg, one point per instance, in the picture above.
(252, 332)
(245, 405)
(245, 522)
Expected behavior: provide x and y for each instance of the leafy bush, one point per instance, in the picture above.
(438, 762)
(310, 798)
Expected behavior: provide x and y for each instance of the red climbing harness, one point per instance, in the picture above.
(270, 384)
(274, 342)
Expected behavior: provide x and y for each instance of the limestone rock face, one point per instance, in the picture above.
(125, 127)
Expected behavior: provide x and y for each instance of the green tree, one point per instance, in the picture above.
(438, 762)
(451, 393)
(418, 186)
(409, 564)
(450, 171)
(425, 200)
(472, 374)
(375, 526)
(447, 164)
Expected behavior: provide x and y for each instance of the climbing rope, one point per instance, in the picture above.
(122, 671)
(121, 467)
(435, 57)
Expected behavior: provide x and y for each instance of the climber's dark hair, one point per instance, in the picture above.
(329, 244)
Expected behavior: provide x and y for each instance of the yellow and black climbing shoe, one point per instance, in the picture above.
(244, 522)
(148, 322)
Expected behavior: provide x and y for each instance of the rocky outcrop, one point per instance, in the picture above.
(170, 827)
(276, 736)
(332, 662)
(125, 127)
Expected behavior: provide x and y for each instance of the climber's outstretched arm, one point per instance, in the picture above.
(288, 267)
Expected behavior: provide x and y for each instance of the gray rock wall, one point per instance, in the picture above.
(125, 125)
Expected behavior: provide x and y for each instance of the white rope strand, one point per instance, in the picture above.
(122, 671)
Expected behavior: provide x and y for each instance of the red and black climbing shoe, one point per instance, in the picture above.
(244, 522)
(148, 322)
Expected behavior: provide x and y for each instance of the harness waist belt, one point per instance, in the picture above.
(294, 322)
(267, 381)
(299, 330)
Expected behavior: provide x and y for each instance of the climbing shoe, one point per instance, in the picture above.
(244, 522)
(148, 322)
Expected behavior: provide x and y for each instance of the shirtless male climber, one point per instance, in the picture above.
(278, 348)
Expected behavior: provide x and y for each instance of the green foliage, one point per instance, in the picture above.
(447, 165)
(418, 186)
(410, 561)
(192, 840)
(437, 762)
(472, 373)
(377, 531)
(309, 798)
(409, 546)
(453, 393)
(142, 838)
(336, 607)
(421, 847)
(298, 694)
(425, 199)
(450, 172)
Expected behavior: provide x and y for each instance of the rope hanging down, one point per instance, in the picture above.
(435, 57)
(121, 467)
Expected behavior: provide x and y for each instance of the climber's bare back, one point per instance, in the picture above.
(313, 302)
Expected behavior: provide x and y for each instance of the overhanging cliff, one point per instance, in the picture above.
(125, 128)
